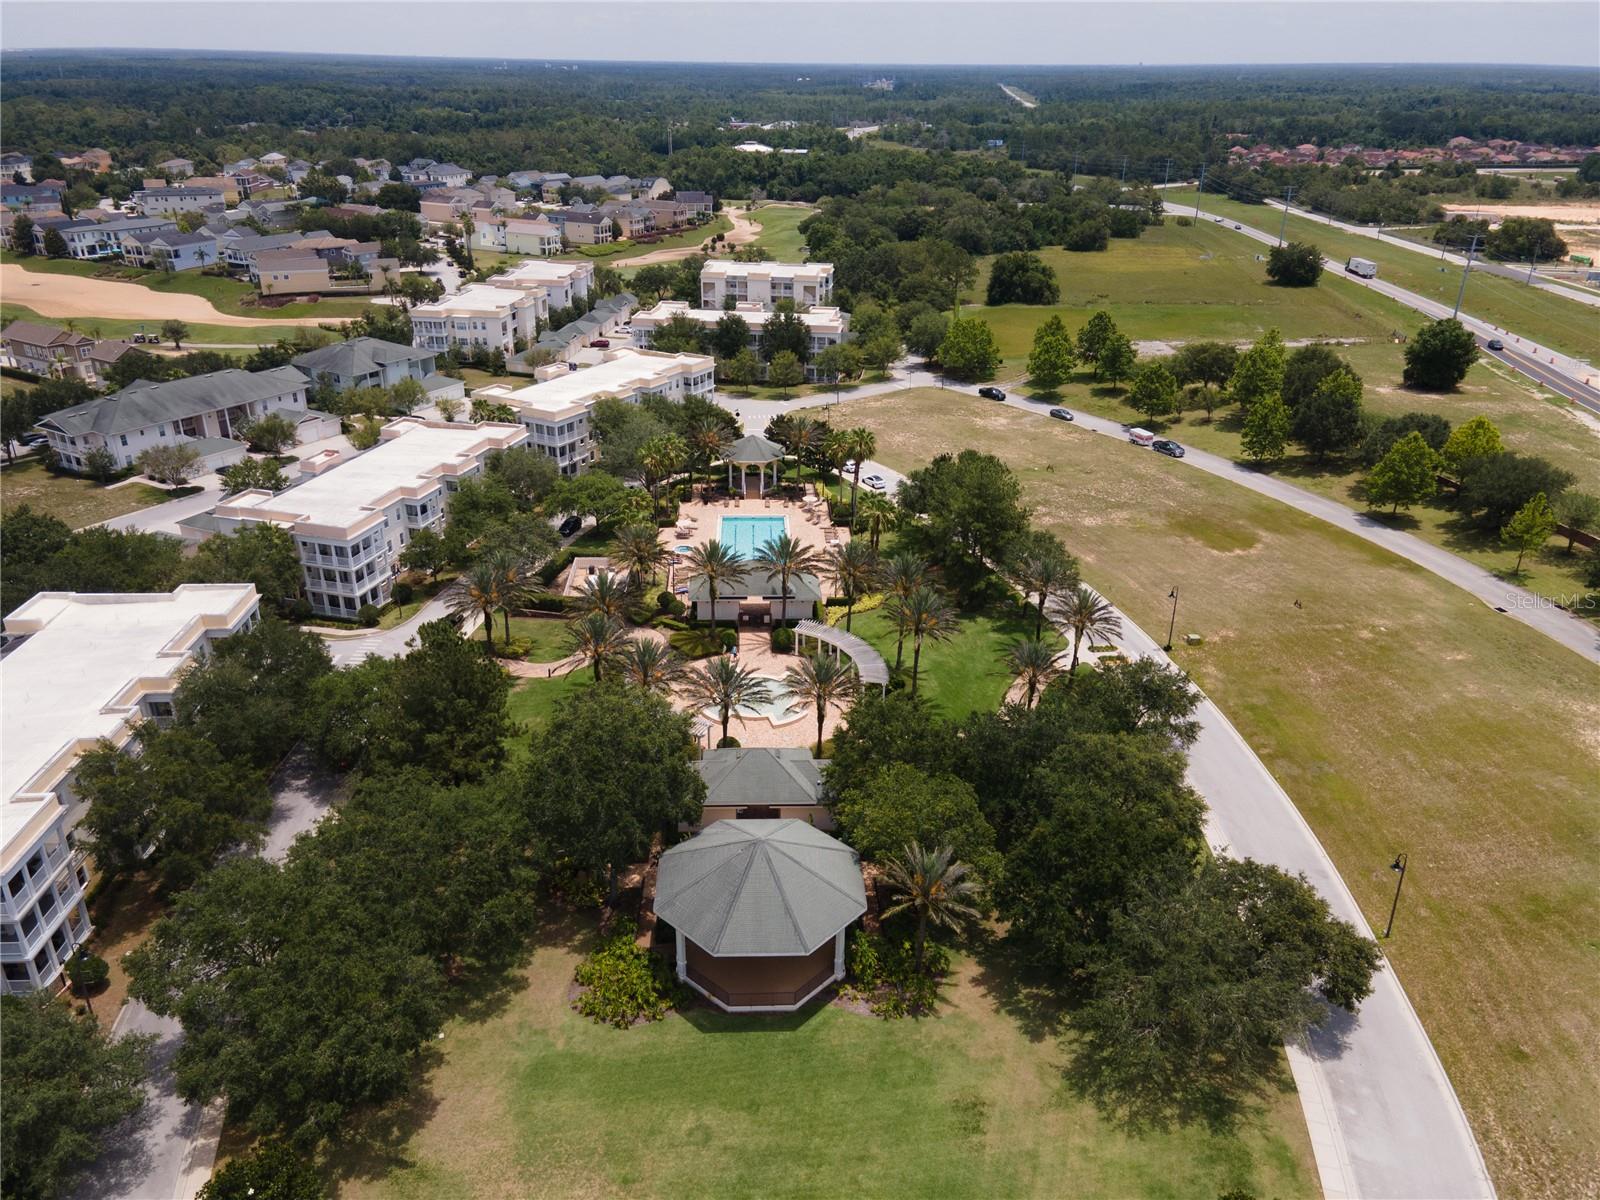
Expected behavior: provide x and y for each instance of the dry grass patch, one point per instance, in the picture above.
(1400, 714)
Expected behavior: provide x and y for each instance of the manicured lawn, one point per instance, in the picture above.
(547, 637)
(1545, 317)
(199, 334)
(780, 230)
(964, 674)
(532, 1100)
(1400, 714)
(689, 237)
(1531, 421)
(534, 700)
(78, 502)
(1191, 283)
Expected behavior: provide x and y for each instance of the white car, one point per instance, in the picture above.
(875, 482)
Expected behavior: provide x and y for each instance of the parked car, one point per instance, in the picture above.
(1061, 414)
(1238, 226)
(875, 482)
(601, 343)
(32, 439)
(571, 526)
(1496, 344)
(991, 393)
(1170, 449)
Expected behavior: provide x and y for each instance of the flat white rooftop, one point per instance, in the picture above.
(538, 270)
(63, 683)
(412, 454)
(765, 270)
(816, 319)
(622, 373)
(474, 298)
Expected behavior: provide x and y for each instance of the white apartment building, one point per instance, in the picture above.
(76, 669)
(480, 314)
(560, 282)
(353, 515)
(556, 410)
(209, 409)
(765, 283)
(178, 199)
(826, 326)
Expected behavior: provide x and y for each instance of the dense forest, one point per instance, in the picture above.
(497, 117)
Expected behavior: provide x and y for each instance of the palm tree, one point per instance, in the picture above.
(786, 557)
(660, 457)
(720, 566)
(1088, 615)
(479, 591)
(804, 434)
(724, 685)
(835, 450)
(900, 576)
(708, 441)
(509, 568)
(1044, 576)
(879, 512)
(862, 445)
(935, 886)
(822, 680)
(852, 567)
(1034, 663)
(926, 615)
(639, 549)
(654, 666)
(605, 593)
(598, 640)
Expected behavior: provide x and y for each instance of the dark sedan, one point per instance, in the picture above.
(991, 393)
(1170, 449)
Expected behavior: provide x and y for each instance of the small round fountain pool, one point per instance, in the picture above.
(780, 710)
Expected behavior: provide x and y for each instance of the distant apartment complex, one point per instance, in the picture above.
(826, 326)
(765, 283)
(353, 515)
(79, 669)
(556, 410)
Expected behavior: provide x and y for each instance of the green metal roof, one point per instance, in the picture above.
(760, 888)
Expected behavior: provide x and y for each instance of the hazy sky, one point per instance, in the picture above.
(1042, 32)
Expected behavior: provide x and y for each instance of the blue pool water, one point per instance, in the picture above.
(749, 534)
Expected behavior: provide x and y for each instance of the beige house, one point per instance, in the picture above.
(765, 283)
(52, 352)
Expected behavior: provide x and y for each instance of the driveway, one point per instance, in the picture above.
(164, 518)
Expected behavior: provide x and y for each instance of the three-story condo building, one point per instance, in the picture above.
(765, 283)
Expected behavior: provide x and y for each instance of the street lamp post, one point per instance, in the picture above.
(1173, 624)
(1399, 864)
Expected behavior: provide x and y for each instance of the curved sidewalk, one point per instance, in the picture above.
(1384, 1119)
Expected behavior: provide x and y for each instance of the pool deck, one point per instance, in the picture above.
(808, 525)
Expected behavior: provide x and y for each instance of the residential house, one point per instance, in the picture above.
(228, 185)
(14, 165)
(80, 671)
(327, 264)
(666, 214)
(825, 326)
(93, 239)
(447, 174)
(179, 198)
(201, 408)
(701, 204)
(240, 245)
(31, 197)
(240, 166)
(96, 160)
(176, 168)
(352, 516)
(602, 322)
(169, 250)
(495, 196)
(274, 159)
(47, 350)
(765, 283)
(251, 183)
(652, 187)
(416, 171)
(444, 205)
(556, 409)
(365, 362)
(584, 228)
(297, 169)
(515, 235)
(753, 148)
(479, 315)
(379, 168)
(630, 219)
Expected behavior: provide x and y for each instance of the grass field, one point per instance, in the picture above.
(1190, 283)
(689, 237)
(533, 701)
(965, 674)
(1400, 714)
(533, 1100)
(548, 638)
(1565, 325)
(780, 230)
(226, 294)
(78, 502)
(1531, 421)
(199, 334)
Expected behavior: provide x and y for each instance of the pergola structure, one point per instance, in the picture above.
(869, 663)
(753, 450)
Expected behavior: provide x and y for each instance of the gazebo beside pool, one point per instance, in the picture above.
(753, 450)
(759, 910)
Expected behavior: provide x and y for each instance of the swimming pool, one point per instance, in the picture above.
(749, 534)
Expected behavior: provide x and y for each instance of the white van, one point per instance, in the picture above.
(1141, 437)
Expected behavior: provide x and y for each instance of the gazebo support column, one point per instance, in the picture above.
(682, 954)
(838, 955)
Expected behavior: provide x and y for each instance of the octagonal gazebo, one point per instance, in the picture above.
(759, 910)
(753, 450)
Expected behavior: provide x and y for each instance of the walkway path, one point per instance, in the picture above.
(1383, 1117)
(52, 295)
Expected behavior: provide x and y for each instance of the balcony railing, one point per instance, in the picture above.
(760, 999)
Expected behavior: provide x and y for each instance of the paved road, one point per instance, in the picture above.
(164, 518)
(1488, 267)
(1571, 377)
(1383, 1117)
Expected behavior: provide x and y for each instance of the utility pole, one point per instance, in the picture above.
(1530, 271)
(1166, 178)
(1073, 174)
(1200, 190)
(1124, 168)
(1283, 225)
(1465, 271)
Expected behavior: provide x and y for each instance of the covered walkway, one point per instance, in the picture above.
(869, 663)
